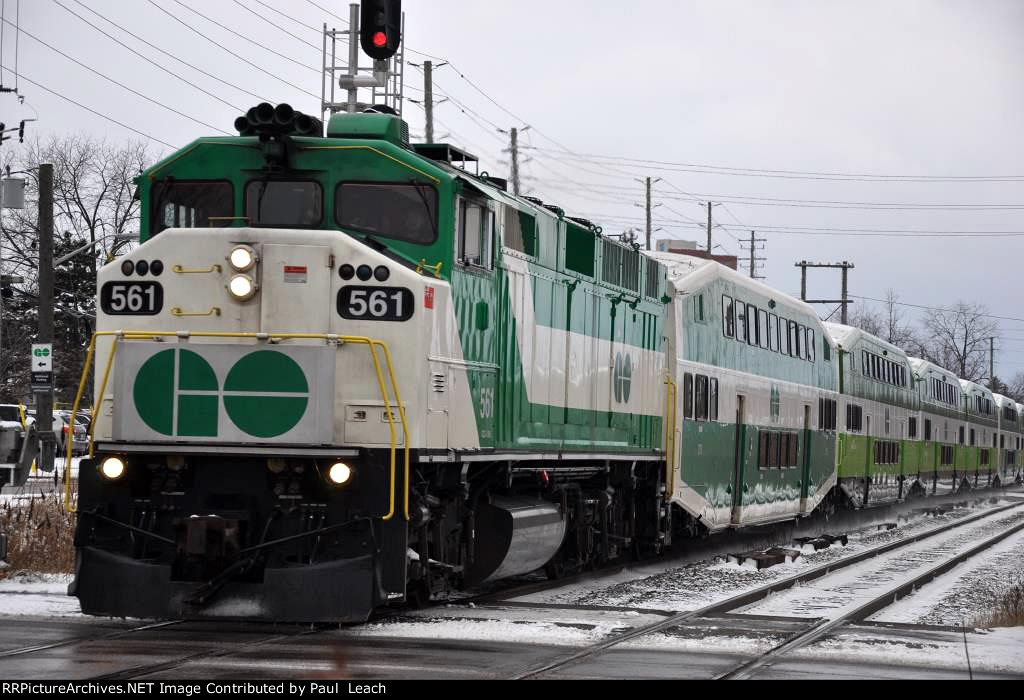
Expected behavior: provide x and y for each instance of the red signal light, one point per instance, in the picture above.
(380, 39)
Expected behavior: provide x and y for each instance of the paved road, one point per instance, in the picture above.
(265, 652)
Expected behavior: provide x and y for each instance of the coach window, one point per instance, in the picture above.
(752, 329)
(741, 321)
(762, 325)
(810, 344)
(912, 427)
(774, 450)
(688, 395)
(927, 429)
(728, 317)
(713, 399)
(773, 332)
(973, 438)
(700, 409)
(297, 203)
(962, 431)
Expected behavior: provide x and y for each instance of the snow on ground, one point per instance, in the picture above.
(41, 483)
(508, 624)
(42, 595)
(966, 593)
(698, 584)
(997, 650)
(846, 589)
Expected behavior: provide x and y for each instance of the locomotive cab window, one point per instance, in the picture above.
(190, 204)
(404, 212)
(286, 203)
(476, 227)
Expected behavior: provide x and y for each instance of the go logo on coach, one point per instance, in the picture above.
(177, 393)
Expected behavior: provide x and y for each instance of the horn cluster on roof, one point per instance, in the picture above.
(265, 120)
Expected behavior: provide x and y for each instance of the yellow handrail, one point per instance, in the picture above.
(671, 401)
(371, 343)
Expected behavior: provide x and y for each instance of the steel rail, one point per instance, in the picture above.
(749, 597)
(79, 640)
(221, 651)
(824, 626)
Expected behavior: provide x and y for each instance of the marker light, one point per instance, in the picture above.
(242, 258)
(112, 468)
(339, 473)
(380, 39)
(241, 287)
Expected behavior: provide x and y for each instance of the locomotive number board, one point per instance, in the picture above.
(132, 298)
(375, 303)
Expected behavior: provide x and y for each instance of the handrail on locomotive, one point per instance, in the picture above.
(372, 345)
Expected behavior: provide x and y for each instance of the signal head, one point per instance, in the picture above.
(380, 28)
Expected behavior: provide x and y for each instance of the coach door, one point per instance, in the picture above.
(739, 461)
(805, 459)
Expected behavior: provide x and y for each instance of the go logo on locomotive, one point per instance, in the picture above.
(177, 393)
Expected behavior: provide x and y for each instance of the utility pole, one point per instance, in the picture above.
(428, 98)
(44, 398)
(709, 233)
(844, 302)
(647, 209)
(992, 364)
(514, 150)
(754, 258)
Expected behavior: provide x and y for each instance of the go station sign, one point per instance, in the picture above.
(42, 366)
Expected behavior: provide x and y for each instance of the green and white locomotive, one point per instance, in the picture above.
(342, 372)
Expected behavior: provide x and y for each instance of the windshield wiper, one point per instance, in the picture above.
(259, 200)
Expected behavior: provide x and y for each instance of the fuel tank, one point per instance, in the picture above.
(514, 535)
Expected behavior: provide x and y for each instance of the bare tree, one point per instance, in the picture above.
(958, 339)
(1015, 389)
(94, 203)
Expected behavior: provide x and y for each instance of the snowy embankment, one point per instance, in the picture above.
(37, 595)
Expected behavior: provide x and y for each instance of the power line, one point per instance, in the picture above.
(285, 15)
(149, 60)
(278, 26)
(240, 58)
(938, 308)
(792, 174)
(750, 200)
(93, 111)
(121, 85)
(324, 9)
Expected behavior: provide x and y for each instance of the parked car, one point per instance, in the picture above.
(80, 434)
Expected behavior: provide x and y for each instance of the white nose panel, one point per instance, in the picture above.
(295, 292)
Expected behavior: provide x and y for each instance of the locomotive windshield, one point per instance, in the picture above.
(284, 203)
(405, 212)
(190, 204)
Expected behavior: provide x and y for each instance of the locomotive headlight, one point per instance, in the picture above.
(242, 258)
(112, 468)
(242, 288)
(339, 473)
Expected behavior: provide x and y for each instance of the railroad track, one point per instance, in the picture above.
(816, 630)
(81, 640)
(890, 595)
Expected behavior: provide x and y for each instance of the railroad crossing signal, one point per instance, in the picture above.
(380, 28)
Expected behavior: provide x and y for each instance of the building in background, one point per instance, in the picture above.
(674, 245)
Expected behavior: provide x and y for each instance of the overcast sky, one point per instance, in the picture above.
(878, 88)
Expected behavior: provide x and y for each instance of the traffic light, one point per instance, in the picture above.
(21, 132)
(380, 28)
